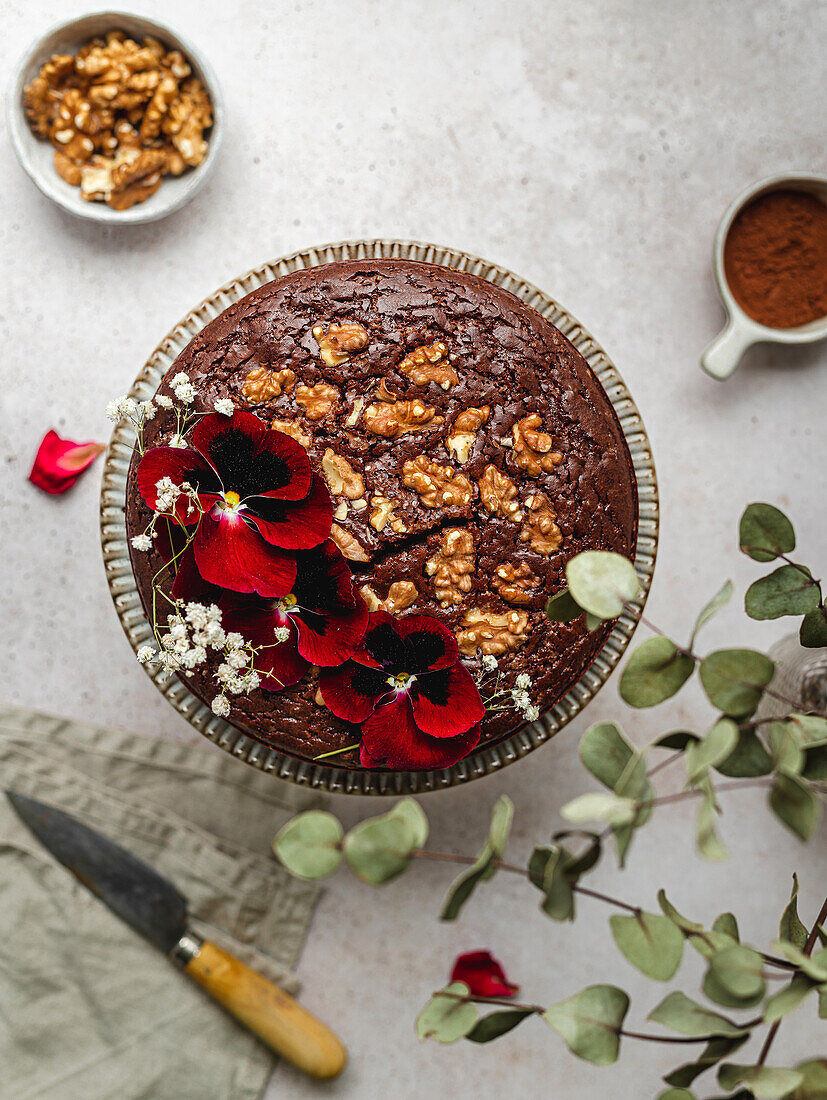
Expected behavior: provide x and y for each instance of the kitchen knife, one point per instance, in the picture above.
(152, 906)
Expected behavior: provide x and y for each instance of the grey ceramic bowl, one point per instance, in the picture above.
(36, 155)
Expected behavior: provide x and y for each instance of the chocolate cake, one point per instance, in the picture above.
(469, 449)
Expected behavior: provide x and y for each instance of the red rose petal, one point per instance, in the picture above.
(351, 690)
(483, 975)
(232, 555)
(179, 464)
(446, 703)
(391, 738)
(60, 462)
(294, 525)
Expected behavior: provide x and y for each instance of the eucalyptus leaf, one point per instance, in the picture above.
(483, 867)
(719, 600)
(726, 924)
(711, 942)
(309, 845)
(713, 1052)
(650, 941)
(814, 1085)
(600, 807)
(765, 532)
(706, 836)
(605, 751)
(380, 848)
(590, 1022)
(547, 870)
(748, 759)
(810, 728)
(497, 1024)
(795, 804)
(676, 1094)
(789, 590)
(678, 740)
(561, 608)
(788, 998)
(602, 582)
(813, 630)
(822, 1002)
(739, 970)
(446, 1017)
(655, 672)
(790, 928)
(632, 784)
(672, 913)
(716, 747)
(814, 966)
(679, 1013)
(815, 763)
(734, 679)
(764, 1082)
(788, 756)
(593, 621)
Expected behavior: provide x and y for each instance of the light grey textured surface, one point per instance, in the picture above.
(591, 147)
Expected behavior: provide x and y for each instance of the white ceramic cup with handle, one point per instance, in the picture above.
(741, 331)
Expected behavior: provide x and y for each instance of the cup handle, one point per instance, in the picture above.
(724, 353)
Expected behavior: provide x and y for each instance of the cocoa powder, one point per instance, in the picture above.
(775, 259)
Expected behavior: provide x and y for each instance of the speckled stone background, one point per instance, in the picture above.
(592, 147)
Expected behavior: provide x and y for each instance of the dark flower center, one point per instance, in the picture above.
(234, 456)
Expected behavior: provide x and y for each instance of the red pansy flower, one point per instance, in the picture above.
(260, 499)
(324, 614)
(417, 704)
(60, 462)
(483, 975)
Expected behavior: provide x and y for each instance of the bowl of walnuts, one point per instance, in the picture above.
(116, 118)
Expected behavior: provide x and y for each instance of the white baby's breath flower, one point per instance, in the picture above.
(489, 663)
(221, 706)
(523, 681)
(145, 654)
(224, 406)
(166, 494)
(531, 714)
(251, 680)
(521, 699)
(122, 408)
(196, 614)
(234, 640)
(213, 612)
(142, 542)
(282, 634)
(237, 659)
(183, 388)
(147, 410)
(224, 672)
(162, 401)
(178, 441)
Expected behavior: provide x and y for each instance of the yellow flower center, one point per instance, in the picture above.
(232, 498)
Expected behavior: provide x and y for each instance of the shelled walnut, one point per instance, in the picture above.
(348, 544)
(492, 632)
(262, 384)
(382, 513)
(499, 495)
(120, 116)
(401, 595)
(464, 431)
(340, 341)
(294, 430)
(318, 400)
(540, 530)
(428, 363)
(342, 479)
(437, 486)
(532, 448)
(452, 565)
(514, 582)
(394, 419)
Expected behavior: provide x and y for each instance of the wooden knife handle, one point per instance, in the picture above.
(268, 1012)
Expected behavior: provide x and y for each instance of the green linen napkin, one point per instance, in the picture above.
(87, 1008)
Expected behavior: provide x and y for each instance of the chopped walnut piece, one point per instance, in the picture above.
(131, 179)
(294, 430)
(340, 341)
(532, 448)
(493, 632)
(341, 477)
(428, 364)
(540, 530)
(355, 412)
(499, 494)
(382, 513)
(318, 400)
(187, 119)
(438, 486)
(41, 98)
(464, 431)
(385, 393)
(401, 595)
(514, 582)
(158, 106)
(262, 384)
(391, 420)
(349, 546)
(340, 511)
(452, 566)
(68, 169)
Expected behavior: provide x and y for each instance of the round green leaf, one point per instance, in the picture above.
(497, 1024)
(676, 1094)
(679, 1013)
(483, 867)
(748, 759)
(790, 590)
(739, 970)
(654, 672)
(814, 1085)
(813, 630)
(446, 1017)
(786, 749)
(764, 1082)
(815, 763)
(734, 679)
(600, 807)
(765, 532)
(706, 836)
(309, 846)
(501, 817)
(811, 729)
(713, 749)
(561, 608)
(787, 999)
(602, 582)
(379, 849)
(814, 966)
(713, 1052)
(795, 804)
(650, 941)
(671, 912)
(725, 924)
(605, 751)
(719, 600)
(590, 1022)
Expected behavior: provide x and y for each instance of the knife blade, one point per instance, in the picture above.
(152, 906)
